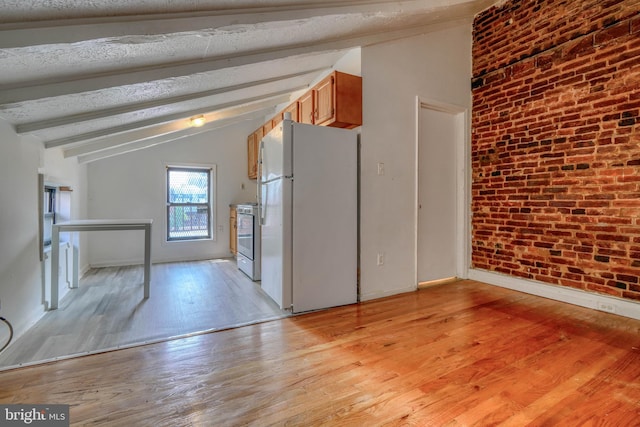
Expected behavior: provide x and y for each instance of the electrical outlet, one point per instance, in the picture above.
(606, 306)
(381, 258)
(221, 228)
(380, 168)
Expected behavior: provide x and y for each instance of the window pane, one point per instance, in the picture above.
(188, 207)
(188, 186)
(187, 222)
(47, 229)
(49, 212)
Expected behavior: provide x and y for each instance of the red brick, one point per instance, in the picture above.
(580, 47)
(555, 154)
(631, 295)
(635, 25)
(612, 33)
(522, 68)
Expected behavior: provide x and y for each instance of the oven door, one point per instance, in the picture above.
(245, 234)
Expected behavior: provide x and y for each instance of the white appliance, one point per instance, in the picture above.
(308, 193)
(248, 233)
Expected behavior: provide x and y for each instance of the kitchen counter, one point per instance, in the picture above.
(233, 205)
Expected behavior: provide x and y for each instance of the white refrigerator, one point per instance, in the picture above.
(308, 193)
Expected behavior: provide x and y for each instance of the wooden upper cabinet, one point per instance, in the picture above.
(293, 109)
(256, 147)
(335, 101)
(338, 101)
(252, 157)
(324, 108)
(277, 119)
(267, 127)
(306, 107)
(253, 147)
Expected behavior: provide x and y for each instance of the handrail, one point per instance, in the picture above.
(10, 333)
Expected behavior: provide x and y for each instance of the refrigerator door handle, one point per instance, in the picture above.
(262, 209)
(261, 190)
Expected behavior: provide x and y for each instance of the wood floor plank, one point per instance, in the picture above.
(459, 354)
(107, 310)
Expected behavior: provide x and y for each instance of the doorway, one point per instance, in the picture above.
(442, 213)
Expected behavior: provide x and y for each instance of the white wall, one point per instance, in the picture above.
(133, 186)
(434, 66)
(350, 63)
(21, 158)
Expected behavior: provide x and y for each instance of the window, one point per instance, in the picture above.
(189, 203)
(49, 213)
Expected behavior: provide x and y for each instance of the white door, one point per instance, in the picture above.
(438, 134)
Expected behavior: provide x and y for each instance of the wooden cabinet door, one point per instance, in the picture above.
(293, 109)
(306, 107)
(266, 128)
(253, 146)
(252, 157)
(256, 148)
(324, 108)
(276, 120)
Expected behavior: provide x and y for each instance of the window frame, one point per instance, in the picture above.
(211, 205)
(49, 210)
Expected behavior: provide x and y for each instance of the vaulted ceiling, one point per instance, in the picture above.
(103, 77)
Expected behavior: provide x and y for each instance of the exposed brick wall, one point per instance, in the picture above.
(556, 143)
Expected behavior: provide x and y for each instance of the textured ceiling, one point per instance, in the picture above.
(103, 77)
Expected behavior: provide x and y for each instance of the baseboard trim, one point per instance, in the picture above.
(594, 301)
(381, 294)
(428, 284)
(124, 263)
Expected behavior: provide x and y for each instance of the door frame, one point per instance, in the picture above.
(463, 180)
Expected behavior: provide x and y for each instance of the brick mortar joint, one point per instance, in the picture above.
(507, 68)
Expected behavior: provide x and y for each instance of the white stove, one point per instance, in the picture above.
(248, 256)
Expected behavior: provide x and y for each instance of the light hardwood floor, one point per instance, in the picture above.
(461, 354)
(107, 310)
